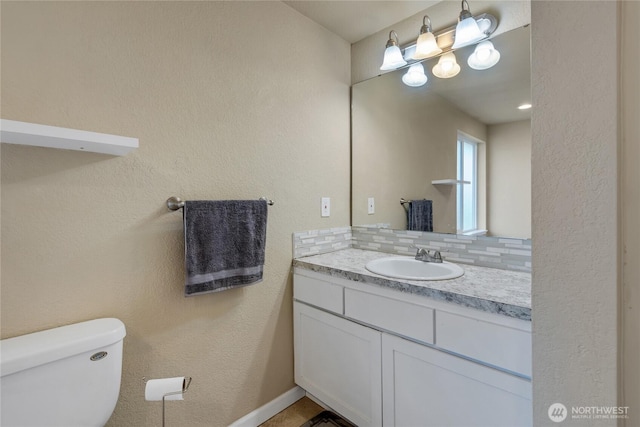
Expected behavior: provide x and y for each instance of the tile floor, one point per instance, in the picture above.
(295, 415)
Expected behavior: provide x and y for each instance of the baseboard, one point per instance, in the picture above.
(268, 410)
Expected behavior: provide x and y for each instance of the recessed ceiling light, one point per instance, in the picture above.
(524, 107)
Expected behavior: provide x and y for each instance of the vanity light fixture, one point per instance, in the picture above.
(392, 55)
(426, 45)
(468, 30)
(524, 107)
(484, 56)
(446, 67)
(415, 76)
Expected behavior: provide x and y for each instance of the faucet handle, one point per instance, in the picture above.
(437, 256)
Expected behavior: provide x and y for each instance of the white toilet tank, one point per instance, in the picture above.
(67, 376)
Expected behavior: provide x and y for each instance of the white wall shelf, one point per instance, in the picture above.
(23, 133)
(449, 182)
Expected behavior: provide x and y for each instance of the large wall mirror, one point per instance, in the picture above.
(405, 143)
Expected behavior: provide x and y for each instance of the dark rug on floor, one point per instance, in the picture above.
(327, 418)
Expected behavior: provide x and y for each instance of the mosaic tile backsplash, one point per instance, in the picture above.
(494, 252)
(316, 242)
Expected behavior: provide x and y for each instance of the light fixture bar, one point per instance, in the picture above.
(487, 23)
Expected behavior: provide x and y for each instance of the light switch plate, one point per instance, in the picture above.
(371, 206)
(326, 206)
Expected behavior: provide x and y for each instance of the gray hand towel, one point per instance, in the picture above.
(420, 215)
(224, 243)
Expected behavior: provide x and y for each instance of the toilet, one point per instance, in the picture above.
(67, 376)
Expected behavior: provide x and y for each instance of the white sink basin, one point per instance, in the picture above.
(411, 269)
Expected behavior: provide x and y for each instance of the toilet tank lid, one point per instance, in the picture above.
(38, 348)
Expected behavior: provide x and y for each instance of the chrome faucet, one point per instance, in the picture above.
(425, 255)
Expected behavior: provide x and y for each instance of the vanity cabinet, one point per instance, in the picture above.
(382, 357)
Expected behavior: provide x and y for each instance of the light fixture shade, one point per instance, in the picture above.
(415, 76)
(447, 66)
(392, 55)
(467, 32)
(426, 46)
(484, 56)
(392, 59)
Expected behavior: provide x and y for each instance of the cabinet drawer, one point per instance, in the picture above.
(399, 317)
(503, 346)
(319, 293)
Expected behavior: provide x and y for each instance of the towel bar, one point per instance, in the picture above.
(175, 203)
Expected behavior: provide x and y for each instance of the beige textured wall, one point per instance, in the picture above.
(574, 202)
(229, 100)
(366, 55)
(630, 194)
(509, 179)
(402, 139)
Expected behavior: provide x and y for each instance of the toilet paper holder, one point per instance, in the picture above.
(185, 387)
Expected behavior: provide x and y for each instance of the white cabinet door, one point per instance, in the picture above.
(426, 387)
(339, 362)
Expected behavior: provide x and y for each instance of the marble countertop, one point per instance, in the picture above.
(497, 291)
